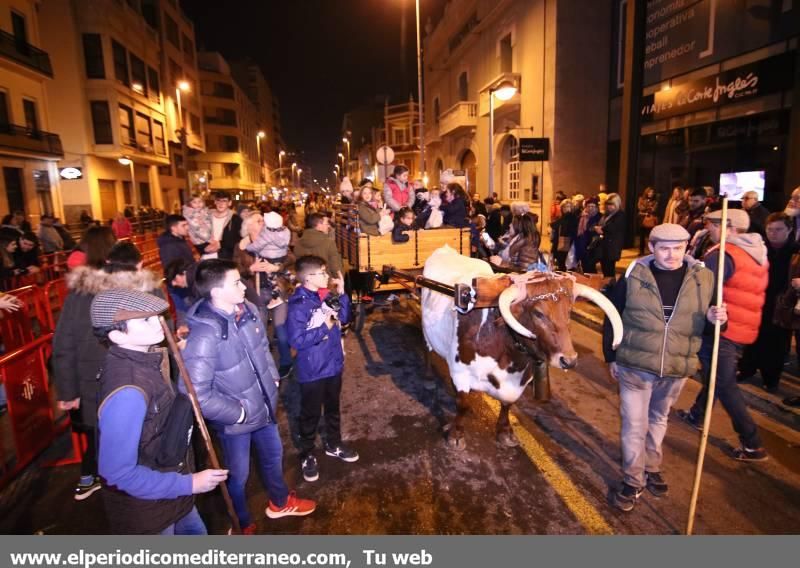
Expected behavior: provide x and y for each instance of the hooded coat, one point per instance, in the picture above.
(78, 354)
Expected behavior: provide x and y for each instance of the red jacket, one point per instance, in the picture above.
(400, 193)
(744, 294)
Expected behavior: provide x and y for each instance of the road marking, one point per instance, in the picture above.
(569, 493)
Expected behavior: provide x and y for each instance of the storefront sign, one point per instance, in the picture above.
(70, 173)
(764, 77)
(534, 149)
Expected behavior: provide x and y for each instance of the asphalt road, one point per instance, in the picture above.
(409, 481)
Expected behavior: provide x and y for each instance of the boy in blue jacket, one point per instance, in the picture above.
(314, 323)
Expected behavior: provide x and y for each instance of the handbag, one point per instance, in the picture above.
(649, 221)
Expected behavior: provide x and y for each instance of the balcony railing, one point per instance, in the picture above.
(25, 54)
(460, 115)
(23, 139)
(219, 121)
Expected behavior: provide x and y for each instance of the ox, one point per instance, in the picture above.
(494, 350)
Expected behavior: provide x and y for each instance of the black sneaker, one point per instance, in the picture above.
(341, 452)
(285, 371)
(656, 484)
(310, 469)
(688, 417)
(626, 497)
(84, 491)
(748, 455)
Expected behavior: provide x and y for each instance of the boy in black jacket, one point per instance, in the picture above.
(404, 222)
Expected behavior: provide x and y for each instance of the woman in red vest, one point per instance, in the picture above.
(396, 191)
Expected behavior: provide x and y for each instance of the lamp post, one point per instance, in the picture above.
(281, 154)
(261, 134)
(419, 96)
(299, 173)
(125, 161)
(337, 171)
(344, 170)
(185, 87)
(504, 91)
(294, 167)
(347, 168)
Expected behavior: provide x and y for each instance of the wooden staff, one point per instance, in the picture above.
(198, 415)
(712, 377)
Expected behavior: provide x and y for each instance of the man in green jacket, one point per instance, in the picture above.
(664, 300)
(316, 241)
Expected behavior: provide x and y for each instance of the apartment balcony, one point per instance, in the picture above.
(22, 141)
(460, 116)
(25, 54)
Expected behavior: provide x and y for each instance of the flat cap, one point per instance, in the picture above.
(737, 218)
(668, 232)
(111, 306)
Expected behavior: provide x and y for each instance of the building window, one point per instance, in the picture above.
(138, 75)
(230, 170)
(5, 118)
(31, 116)
(144, 193)
(463, 87)
(158, 137)
(180, 171)
(436, 110)
(195, 122)
(126, 126)
(176, 72)
(19, 28)
(172, 31)
(512, 157)
(41, 181)
(93, 56)
(506, 55)
(120, 63)
(229, 143)
(399, 136)
(215, 89)
(155, 86)
(188, 50)
(144, 136)
(14, 191)
(101, 122)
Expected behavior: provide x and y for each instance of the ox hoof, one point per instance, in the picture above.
(507, 439)
(456, 442)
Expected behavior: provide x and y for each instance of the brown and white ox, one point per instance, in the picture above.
(494, 350)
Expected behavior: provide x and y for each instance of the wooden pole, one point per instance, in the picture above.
(201, 423)
(712, 376)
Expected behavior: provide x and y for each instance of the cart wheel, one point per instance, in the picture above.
(360, 315)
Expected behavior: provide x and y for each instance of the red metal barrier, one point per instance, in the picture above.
(24, 374)
(55, 293)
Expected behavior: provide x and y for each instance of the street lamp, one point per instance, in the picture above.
(281, 154)
(504, 91)
(261, 134)
(336, 170)
(341, 157)
(299, 172)
(183, 87)
(347, 142)
(126, 161)
(419, 96)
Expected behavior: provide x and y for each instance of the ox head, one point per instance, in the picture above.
(537, 308)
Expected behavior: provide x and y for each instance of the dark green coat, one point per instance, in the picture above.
(649, 344)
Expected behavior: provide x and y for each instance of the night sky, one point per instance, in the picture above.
(321, 57)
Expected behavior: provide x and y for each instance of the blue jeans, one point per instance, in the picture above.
(284, 350)
(726, 390)
(645, 400)
(191, 524)
(269, 451)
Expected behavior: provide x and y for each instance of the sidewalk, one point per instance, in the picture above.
(757, 398)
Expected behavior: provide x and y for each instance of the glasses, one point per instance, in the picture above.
(317, 274)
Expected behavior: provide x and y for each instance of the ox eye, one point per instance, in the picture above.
(539, 314)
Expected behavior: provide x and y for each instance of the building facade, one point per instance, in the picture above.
(29, 150)
(400, 132)
(555, 52)
(231, 129)
(107, 104)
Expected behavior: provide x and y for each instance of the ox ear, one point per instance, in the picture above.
(504, 302)
(583, 291)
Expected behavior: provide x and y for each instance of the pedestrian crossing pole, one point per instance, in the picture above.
(712, 376)
(201, 423)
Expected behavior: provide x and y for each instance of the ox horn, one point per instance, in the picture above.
(605, 304)
(504, 302)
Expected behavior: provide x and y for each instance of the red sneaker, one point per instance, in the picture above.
(294, 507)
(249, 530)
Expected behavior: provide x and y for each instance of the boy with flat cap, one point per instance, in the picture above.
(145, 426)
(664, 300)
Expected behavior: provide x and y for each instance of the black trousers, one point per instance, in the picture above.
(767, 354)
(318, 398)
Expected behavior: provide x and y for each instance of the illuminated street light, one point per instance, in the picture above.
(183, 86)
(347, 142)
(504, 91)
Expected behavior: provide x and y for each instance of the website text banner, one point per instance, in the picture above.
(394, 551)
